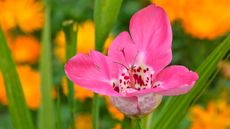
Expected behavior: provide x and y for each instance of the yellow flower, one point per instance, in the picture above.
(27, 14)
(83, 122)
(215, 116)
(114, 112)
(79, 92)
(30, 81)
(25, 49)
(85, 40)
(206, 18)
(172, 8)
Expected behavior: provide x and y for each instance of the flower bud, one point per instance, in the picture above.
(137, 106)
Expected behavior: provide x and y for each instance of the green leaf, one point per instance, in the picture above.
(105, 15)
(19, 112)
(70, 29)
(46, 111)
(136, 123)
(176, 108)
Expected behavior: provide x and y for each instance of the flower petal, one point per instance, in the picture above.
(122, 49)
(108, 68)
(175, 80)
(82, 70)
(151, 32)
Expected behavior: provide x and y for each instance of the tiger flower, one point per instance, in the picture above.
(135, 73)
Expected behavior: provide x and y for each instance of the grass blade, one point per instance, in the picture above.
(175, 108)
(105, 14)
(46, 111)
(19, 112)
(70, 30)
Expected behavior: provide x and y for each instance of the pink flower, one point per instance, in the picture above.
(134, 74)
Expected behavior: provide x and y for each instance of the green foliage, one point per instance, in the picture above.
(46, 111)
(105, 15)
(176, 108)
(71, 42)
(19, 112)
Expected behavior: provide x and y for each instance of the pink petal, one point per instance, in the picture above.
(82, 70)
(151, 32)
(175, 80)
(107, 67)
(122, 49)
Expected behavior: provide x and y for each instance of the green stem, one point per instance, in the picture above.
(95, 110)
(59, 116)
(147, 121)
(46, 111)
(71, 45)
(135, 123)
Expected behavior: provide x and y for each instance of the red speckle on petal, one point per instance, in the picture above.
(116, 89)
(126, 77)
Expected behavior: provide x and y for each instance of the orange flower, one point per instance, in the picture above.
(30, 81)
(206, 18)
(216, 116)
(79, 93)
(83, 122)
(2, 91)
(114, 112)
(85, 40)
(174, 9)
(27, 14)
(25, 49)
(117, 126)
(225, 68)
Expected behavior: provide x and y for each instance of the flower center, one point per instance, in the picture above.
(134, 78)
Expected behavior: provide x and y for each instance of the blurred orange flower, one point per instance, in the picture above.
(174, 9)
(79, 93)
(27, 14)
(83, 122)
(30, 81)
(114, 112)
(25, 49)
(216, 116)
(204, 19)
(117, 126)
(85, 40)
(225, 68)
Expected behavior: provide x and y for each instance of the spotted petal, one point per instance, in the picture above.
(151, 31)
(175, 80)
(82, 70)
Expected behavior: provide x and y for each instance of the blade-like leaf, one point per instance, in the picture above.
(19, 112)
(70, 29)
(105, 15)
(46, 111)
(175, 108)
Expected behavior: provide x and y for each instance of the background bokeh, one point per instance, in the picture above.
(198, 27)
